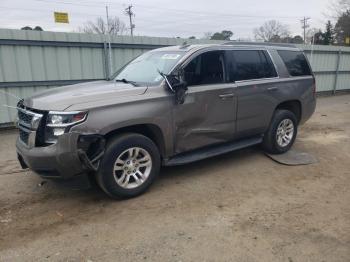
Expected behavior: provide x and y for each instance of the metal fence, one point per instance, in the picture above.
(331, 65)
(31, 61)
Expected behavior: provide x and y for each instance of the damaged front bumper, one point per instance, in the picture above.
(73, 154)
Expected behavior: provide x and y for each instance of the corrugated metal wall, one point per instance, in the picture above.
(31, 61)
(331, 65)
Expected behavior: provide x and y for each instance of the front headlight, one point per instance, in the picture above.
(59, 123)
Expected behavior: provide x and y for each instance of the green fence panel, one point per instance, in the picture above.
(32, 61)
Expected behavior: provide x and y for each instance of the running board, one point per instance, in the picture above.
(211, 151)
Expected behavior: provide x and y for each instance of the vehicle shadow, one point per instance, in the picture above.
(168, 175)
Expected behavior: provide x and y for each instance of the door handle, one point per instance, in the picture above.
(272, 88)
(224, 96)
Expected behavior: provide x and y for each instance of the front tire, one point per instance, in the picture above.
(129, 166)
(282, 132)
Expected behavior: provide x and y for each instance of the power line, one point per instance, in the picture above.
(169, 9)
(88, 4)
(2, 8)
(213, 13)
(156, 21)
(150, 20)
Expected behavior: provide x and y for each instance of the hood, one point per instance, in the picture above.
(60, 98)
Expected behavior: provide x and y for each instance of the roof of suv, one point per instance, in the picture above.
(240, 45)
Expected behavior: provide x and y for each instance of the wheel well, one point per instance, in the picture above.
(293, 106)
(151, 131)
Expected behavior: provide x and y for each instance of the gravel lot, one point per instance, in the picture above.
(240, 206)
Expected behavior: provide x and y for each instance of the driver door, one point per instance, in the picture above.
(208, 114)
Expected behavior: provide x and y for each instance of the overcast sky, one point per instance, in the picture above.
(182, 18)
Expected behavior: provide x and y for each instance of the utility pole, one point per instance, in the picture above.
(130, 13)
(109, 45)
(305, 25)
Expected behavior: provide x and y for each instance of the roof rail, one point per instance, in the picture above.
(258, 43)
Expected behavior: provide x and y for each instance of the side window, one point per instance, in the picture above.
(252, 64)
(205, 69)
(295, 62)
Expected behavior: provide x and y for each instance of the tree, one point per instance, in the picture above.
(342, 27)
(227, 34)
(99, 26)
(207, 35)
(297, 40)
(271, 30)
(310, 33)
(338, 7)
(340, 11)
(288, 39)
(328, 36)
(26, 28)
(318, 38)
(275, 39)
(37, 28)
(224, 35)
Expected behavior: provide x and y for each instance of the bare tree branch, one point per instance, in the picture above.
(337, 7)
(207, 35)
(99, 26)
(270, 30)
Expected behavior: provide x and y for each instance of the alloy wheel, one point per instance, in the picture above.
(285, 132)
(132, 167)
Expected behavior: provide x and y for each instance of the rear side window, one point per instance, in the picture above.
(252, 64)
(295, 62)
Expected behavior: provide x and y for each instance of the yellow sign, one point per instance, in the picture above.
(61, 17)
(347, 40)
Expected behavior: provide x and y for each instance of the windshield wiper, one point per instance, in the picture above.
(126, 81)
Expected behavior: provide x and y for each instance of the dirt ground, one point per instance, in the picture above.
(240, 206)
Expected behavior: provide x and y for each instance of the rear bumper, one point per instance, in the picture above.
(60, 160)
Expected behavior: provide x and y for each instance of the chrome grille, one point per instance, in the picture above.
(28, 123)
(24, 136)
(25, 118)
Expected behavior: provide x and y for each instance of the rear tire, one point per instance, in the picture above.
(280, 136)
(129, 166)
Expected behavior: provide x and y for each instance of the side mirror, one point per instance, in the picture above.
(177, 86)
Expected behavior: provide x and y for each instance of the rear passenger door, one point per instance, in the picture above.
(253, 73)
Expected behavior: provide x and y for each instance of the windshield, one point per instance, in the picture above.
(144, 69)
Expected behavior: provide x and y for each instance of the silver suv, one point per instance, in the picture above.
(169, 106)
